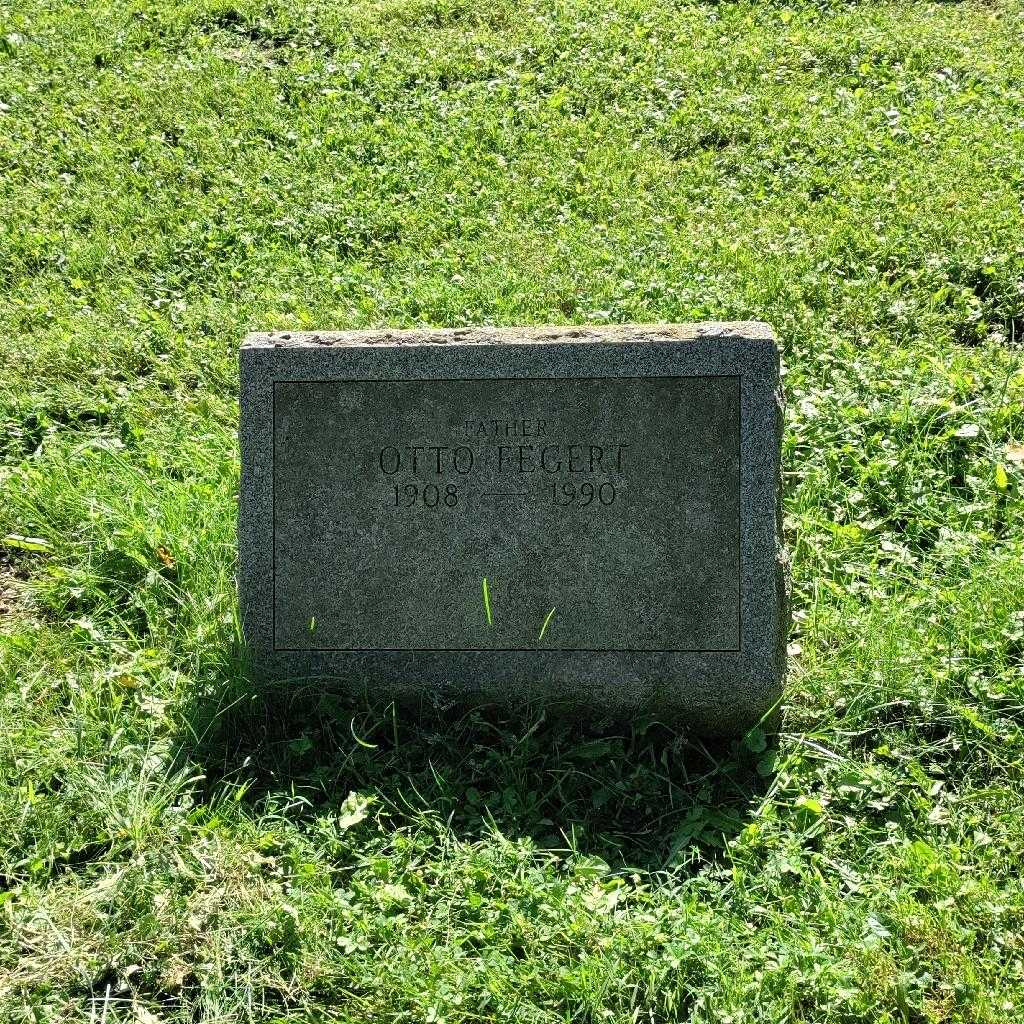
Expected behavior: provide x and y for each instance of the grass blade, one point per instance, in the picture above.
(487, 604)
(544, 628)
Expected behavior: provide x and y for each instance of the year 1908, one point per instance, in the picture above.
(428, 495)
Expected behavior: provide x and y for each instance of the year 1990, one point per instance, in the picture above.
(567, 495)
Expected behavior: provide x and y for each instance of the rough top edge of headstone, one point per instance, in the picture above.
(747, 330)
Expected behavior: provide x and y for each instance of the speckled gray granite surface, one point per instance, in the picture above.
(617, 487)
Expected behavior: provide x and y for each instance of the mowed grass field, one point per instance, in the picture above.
(177, 845)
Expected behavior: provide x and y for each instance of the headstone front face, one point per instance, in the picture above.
(581, 516)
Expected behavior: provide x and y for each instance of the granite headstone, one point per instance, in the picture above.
(585, 516)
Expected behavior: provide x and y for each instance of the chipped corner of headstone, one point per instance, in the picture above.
(262, 341)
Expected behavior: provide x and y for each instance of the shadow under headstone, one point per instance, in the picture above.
(637, 795)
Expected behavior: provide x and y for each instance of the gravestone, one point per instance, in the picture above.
(586, 516)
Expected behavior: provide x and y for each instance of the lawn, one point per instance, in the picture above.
(177, 844)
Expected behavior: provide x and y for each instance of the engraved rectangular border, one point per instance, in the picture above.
(738, 649)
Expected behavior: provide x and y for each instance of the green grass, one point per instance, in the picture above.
(177, 847)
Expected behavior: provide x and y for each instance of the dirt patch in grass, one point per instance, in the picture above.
(12, 574)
